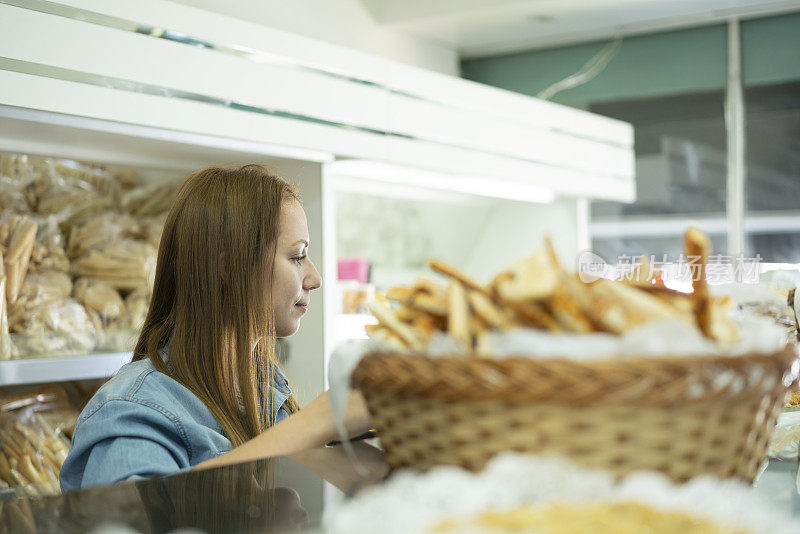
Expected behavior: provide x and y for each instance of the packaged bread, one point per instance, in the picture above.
(124, 264)
(537, 292)
(12, 197)
(33, 438)
(48, 252)
(99, 230)
(151, 199)
(58, 329)
(135, 311)
(103, 182)
(6, 348)
(17, 236)
(8, 165)
(149, 229)
(39, 290)
(100, 298)
(68, 199)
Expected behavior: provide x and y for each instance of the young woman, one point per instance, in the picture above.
(204, 388)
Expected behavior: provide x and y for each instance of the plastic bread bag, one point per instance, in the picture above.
(48, 253)
(33, 441)
(108, 314)
(136, 304)
(99, 298)
(55, 330)
(12, 197)
(6, 347)
(17, 236)
(8, 165)
(149, 229)
(150, 199)
(96, 231)
(102, 181)
(115, 340)
(20, 168)
(69, 199)
(124, 264)
(39, 289)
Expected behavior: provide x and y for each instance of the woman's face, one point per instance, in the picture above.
(293, 276)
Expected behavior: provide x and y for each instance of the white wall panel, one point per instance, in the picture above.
(438, 122)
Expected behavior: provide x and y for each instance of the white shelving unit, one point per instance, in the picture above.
(37, 370)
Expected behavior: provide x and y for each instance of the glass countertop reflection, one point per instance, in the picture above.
(286, 494)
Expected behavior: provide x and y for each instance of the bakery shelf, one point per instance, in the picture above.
(61, 369)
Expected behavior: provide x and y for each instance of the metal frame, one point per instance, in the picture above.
(735, 133)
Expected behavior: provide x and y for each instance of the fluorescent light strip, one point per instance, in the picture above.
(259, 56)
(48, 71)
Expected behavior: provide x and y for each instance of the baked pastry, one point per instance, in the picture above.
(124, 264)
(597, 518)
(17, 236)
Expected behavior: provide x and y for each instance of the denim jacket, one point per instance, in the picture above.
(142, 423)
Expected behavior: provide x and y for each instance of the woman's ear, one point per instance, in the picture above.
(223, 266)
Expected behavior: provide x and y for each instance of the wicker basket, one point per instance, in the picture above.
(682, 416)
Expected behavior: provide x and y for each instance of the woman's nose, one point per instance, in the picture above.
(312, 280)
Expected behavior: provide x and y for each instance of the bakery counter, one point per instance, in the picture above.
(780, 485)
(275, 495)
(287, 494)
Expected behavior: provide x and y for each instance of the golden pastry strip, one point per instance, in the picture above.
(537, 292)
(601, 518)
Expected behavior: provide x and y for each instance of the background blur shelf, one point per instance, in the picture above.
(61, 369)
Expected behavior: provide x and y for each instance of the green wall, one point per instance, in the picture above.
(651, 65)
(771, 49)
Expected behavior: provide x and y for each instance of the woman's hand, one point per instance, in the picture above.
(311, 427)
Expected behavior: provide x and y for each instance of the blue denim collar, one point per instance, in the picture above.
(279, 380)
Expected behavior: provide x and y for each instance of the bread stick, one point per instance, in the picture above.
(387, 318)
(455, 273)
(458, 313)
(698, 245)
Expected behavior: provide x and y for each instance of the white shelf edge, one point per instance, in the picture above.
(61, 369)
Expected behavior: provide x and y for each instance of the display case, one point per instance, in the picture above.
(332, 120)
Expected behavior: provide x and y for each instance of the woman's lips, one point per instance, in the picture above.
(302, 307)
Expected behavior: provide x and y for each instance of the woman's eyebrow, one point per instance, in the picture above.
(298, 242)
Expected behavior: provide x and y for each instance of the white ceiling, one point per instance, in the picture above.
(485, 27)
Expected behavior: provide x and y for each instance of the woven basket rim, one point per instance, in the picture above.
(642, 380)
(790, 352)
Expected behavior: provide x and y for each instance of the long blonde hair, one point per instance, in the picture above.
(211, 299)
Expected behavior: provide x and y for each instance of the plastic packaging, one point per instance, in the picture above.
(67, 223)
(151, 199)
(96, 231)
(48, 252)
(7, 349)
(124, 264)
(34, 440)
(55, 330)
(17, 236)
